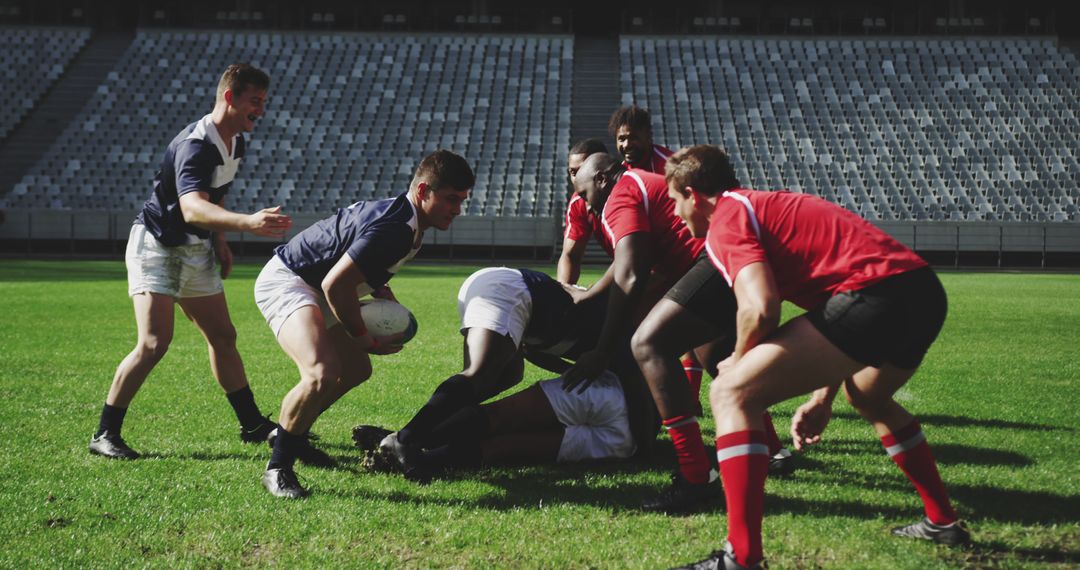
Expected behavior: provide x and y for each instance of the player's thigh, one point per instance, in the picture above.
(303, 336)
(487, 352)
(155, 316)
(795, 360)
(355, 362)
(210, 314)
(672, 329)
(527, 410)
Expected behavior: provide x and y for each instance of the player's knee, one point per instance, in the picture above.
(222, 338)
(643, 344)
(867, 406)
(153, 347)
(321, 378)
(727, 395)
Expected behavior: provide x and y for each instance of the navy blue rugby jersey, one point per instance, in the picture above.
(196, 160)
(557, 326)
(377, 235)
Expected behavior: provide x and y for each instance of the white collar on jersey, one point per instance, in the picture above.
(206, 130)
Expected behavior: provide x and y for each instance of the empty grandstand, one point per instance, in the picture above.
(893, 129)
(351, 115)
(954, 127)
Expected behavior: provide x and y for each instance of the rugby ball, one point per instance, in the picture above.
(384, 318)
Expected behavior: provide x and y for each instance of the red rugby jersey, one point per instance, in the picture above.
(657, 160)
(639, 202)
(814, 247)
(580, 224)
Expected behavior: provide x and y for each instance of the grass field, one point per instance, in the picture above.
(998, 397)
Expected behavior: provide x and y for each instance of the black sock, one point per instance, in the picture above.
(243, 403)
(112, 419)
(453, 394)
(453, 456)
(469, 424)
(284, 454)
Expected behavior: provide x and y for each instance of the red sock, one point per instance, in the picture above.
(693, 375)
(689, 449)
(744, 464)
(771, 438)
(910, 451)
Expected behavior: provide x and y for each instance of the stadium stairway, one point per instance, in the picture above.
(596, 95)
(596, 87)
(32, 138)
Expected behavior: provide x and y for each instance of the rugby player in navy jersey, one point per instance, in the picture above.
(508, 315)
(177, 253)
(309, 294)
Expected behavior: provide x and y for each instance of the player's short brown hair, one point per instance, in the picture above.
(705, 168)
(239, 76)
(632, 116)
(442, 169)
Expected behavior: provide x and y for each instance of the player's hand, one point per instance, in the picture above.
(576, 292)
(383, 345)
(385, 293)
(585, 371)
(224, 256)
(269, 222)
(809, 422)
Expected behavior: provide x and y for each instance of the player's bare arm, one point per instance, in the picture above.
(199, 211)
(759, 307)
(630, 276)
(339, 286)
(569, 269)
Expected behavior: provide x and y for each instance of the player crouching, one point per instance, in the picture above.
(308, 293)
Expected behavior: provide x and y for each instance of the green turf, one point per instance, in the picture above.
(998, 397)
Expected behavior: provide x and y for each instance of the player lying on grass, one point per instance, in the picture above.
(874, 307)
(652, 250)
(177, 254)
(309, 294)
(508, 315)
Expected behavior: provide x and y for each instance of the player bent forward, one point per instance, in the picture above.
(507, 315)
(309, 294)
(873, 310)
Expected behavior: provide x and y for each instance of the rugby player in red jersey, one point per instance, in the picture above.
(874, 307)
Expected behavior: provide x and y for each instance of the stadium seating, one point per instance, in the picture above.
(349, 117)
(31, 59)
(894, 129)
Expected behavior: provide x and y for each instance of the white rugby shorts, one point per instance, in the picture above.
(597, 423)
(496, 299)
(183, 271)
(279, 293)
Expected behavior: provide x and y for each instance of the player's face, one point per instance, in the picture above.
(633, 145)
(573, 163)
(686, 208)
(441, 206)
(248, 106)
(589, 189)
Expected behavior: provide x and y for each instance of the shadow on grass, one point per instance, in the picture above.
(945, 453)
(962, 421)
(992, 554)
(1010, 505)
